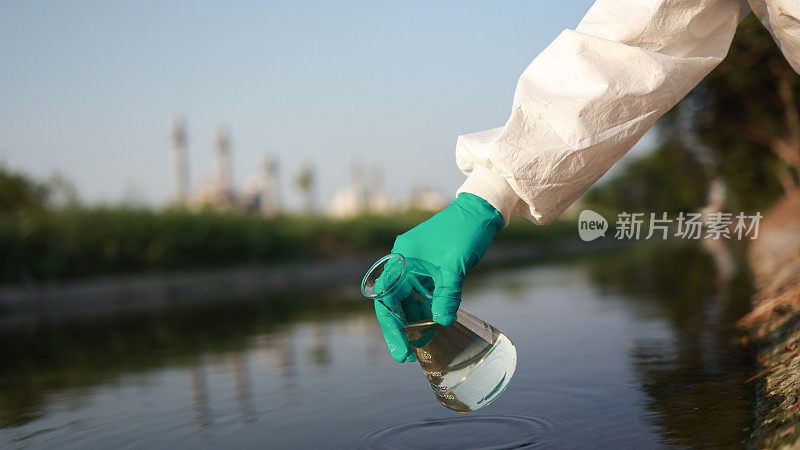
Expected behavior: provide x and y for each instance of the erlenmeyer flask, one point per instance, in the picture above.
(469, 363)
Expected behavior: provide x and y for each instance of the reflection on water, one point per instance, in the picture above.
(694, 378)
(629, 348)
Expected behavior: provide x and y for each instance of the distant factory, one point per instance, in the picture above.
(260, 192)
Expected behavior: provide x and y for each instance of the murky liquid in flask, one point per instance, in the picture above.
(469, 363)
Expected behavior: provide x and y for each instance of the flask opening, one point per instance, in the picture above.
(396, 262)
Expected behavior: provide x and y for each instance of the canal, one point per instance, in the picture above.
(630, 348)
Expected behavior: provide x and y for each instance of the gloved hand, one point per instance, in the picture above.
(449, 244)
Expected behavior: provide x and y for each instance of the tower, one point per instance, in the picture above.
(180, 167)
(223, 163)
(269, 204)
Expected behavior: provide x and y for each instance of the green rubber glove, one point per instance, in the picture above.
(447, 246)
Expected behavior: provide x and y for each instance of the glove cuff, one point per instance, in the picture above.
(493, 188)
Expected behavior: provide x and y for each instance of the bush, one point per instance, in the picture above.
(78, 242)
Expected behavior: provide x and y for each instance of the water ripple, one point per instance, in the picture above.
(474, 432)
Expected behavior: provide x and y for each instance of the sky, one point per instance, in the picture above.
(88, 88)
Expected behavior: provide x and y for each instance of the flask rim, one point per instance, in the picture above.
(379, 263)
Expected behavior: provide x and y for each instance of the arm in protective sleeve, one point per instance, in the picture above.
(782, 20)
(589, 96)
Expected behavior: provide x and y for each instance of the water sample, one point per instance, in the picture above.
(469, 363)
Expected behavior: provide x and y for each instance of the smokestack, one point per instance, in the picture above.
(180, 168)
(269, 189)
(223, 181)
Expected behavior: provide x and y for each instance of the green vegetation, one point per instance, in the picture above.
(40, 243)
(670, 180)
(85, 241)
(18, 192)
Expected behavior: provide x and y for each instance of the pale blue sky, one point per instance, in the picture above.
(88, 87)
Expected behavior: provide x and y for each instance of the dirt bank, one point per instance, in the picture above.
(774, 324)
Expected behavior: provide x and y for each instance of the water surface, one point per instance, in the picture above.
(627, 349)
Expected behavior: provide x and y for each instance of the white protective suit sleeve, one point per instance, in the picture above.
(782, 19)
(589, 96)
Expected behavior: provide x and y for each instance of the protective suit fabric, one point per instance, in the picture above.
(782, 19)
(594, 92)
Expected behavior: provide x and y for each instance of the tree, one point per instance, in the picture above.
(305, 183)
(18, 192)
(746, 114)
(667, 180)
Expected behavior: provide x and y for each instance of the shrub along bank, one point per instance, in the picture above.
(76, 242)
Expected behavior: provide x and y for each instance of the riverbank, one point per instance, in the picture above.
(774, 325)
(35, 304)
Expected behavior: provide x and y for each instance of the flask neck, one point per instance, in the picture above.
(385, 276)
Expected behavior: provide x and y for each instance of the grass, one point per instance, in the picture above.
(80, 242)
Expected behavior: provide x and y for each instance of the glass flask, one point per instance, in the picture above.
(469, 363)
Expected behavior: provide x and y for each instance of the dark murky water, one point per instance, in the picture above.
(628, 349)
